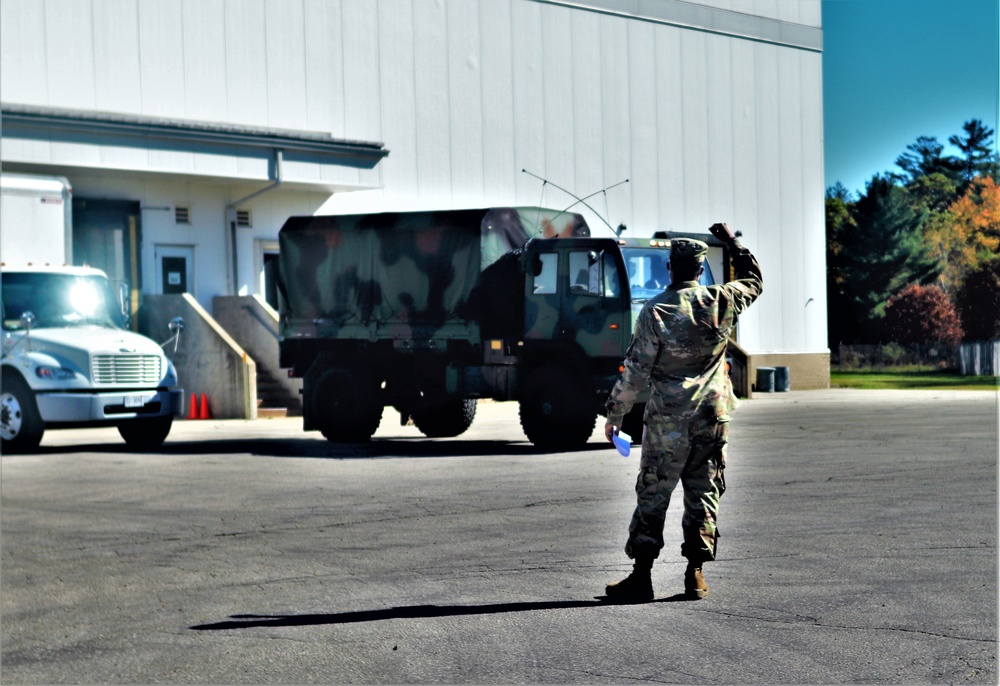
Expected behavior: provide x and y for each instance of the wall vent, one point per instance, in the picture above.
(182, 215)
(243, 218)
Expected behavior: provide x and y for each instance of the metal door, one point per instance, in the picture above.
(174, 269)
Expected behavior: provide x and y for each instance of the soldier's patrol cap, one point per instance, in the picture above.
(687, 249)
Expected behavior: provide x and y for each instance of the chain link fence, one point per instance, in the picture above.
(980, 359)
(895, 357)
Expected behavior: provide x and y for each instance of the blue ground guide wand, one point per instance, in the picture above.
(623, 442)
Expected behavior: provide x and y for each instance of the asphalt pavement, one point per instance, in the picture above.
(859, 545)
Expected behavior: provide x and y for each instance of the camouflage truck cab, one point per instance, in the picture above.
(429, 311)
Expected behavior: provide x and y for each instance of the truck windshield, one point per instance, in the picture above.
(59, 300)
(647, 272)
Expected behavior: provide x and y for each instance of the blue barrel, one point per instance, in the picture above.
(782, 379)
(765, 379)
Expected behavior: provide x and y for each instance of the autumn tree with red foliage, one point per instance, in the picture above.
(922, 314)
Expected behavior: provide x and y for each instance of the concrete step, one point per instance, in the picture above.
(273, 400)
(271, 412)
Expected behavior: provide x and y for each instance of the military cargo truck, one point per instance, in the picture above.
(428, 312)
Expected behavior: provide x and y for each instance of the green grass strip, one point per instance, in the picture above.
(913, 381)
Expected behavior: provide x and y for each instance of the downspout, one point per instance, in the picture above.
(231, 217)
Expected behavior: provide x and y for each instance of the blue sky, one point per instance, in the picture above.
(897, 69)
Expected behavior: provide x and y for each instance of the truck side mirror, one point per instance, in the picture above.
(27, 320)
(593, 256)
(124, 296)
(176, 325)
(536, 264)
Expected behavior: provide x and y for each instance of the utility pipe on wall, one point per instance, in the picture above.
(231, 219)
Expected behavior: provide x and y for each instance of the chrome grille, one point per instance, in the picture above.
(126, 369)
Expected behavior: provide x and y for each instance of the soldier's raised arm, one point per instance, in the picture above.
(748, 284)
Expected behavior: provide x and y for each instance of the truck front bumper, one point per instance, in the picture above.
(107, 407)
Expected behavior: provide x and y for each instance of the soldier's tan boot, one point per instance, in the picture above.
(694, 582)
(637, 587)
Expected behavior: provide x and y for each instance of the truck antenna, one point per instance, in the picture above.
(582, 201)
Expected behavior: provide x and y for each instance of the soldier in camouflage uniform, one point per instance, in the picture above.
(679, 346)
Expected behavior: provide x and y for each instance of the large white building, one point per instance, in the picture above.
(191, 129)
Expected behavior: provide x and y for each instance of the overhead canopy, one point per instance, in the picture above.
(106, 140)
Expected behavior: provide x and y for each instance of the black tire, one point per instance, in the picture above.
(21, 425)
(554, 411)
(347, 405)
(445, 420)
(632, 424)
(147, 433)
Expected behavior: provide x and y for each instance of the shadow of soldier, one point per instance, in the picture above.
(246, 621)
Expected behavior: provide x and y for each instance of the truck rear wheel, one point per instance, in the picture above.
(447, 419)
(147, 433)
(554, 410)
(21, 425)
(347, 405)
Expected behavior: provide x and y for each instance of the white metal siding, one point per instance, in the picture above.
(361, 67)
(22, 41)
(246, 64)
(284, 24)
(324, 77)
(499, 138)
(529, 83)
(707, 126)
(161, 56)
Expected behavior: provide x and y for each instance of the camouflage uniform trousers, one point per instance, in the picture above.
(691, 450)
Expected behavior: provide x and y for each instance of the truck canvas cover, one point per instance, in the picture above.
(400, 274)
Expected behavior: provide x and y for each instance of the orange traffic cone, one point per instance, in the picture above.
(193, 407)
(204, 413)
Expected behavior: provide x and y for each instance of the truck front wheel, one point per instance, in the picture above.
(147, 433)
(347, 405)
(447, 419)
(554, 411)
(21, 425)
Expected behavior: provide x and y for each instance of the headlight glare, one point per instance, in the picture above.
(54, 373)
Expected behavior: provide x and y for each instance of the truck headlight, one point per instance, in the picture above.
(53, 373)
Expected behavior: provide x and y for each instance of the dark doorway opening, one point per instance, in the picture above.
(271, 264)
(107, 235)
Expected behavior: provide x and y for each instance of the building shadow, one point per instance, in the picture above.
(247, 621)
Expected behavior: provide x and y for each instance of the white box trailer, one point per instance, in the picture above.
(68, 358)
(36, 219)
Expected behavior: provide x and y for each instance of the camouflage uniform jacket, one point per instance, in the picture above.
(679, 345)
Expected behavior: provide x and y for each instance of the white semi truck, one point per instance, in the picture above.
(68, 357)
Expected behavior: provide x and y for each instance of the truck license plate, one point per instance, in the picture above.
(134, 401)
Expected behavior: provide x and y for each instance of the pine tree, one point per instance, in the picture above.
(925, 158)
(978, 158)
(882, 250)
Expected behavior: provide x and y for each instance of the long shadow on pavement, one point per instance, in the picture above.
(304, 447)
(411, 612)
